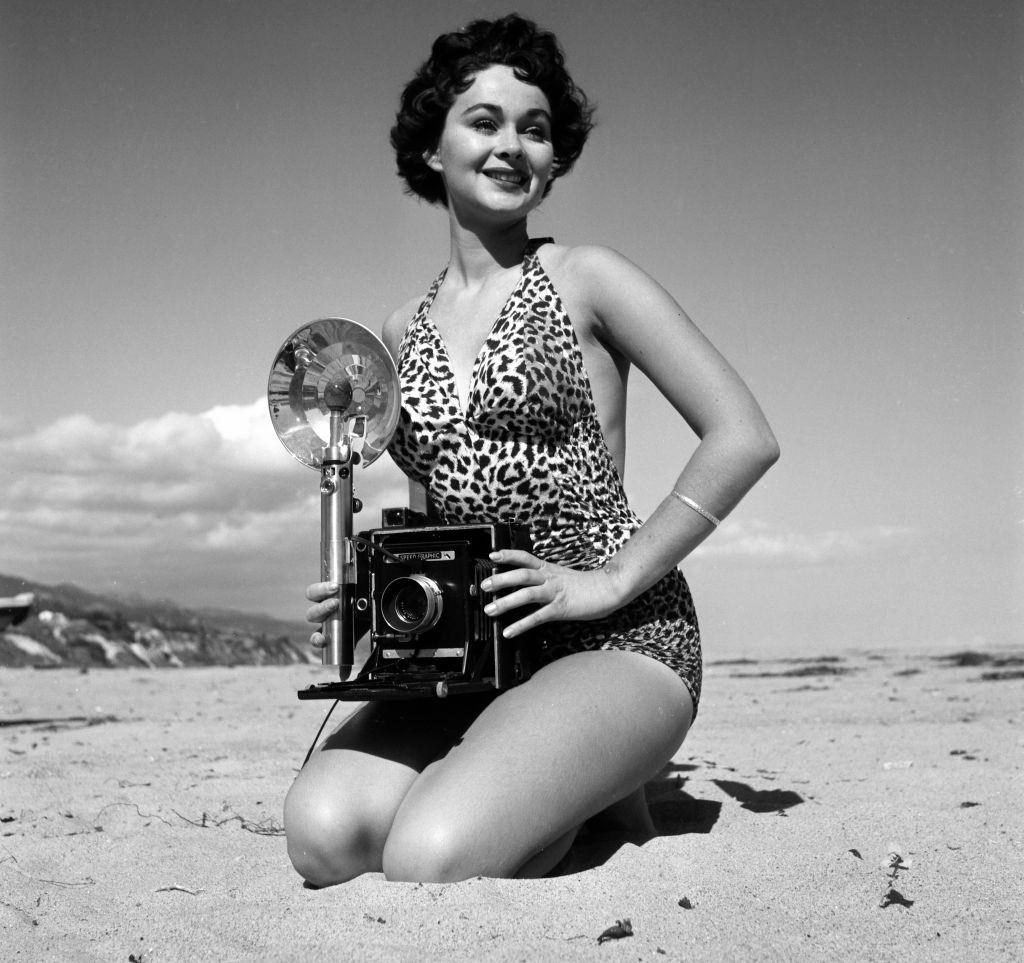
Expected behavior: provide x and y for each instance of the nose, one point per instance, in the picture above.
(510, 145)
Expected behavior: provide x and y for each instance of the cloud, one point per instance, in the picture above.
(198, 507)
(210, 509)
(756, 540)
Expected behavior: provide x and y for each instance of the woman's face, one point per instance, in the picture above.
(495, 154)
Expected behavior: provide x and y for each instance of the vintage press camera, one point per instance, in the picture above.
(334, 402)
(417, 593)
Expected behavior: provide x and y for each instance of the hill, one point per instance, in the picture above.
(70, 626)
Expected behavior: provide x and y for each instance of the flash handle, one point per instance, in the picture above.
(337, 561)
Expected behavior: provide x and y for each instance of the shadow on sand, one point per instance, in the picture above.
(759, 800)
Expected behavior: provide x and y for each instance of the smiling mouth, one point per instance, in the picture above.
(507, 177)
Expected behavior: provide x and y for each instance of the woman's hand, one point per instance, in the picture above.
(325, 595)
(561, 593)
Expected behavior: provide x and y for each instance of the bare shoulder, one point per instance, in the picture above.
(601, 280)
(396, 323)
(577, 257)
(591, 266)
(603, 267)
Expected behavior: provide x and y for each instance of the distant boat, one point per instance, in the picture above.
(16, 609)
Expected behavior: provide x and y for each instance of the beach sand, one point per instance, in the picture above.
(140, 814)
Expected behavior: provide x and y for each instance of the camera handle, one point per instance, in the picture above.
(337, 558)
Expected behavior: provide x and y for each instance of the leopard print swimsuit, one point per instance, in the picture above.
(528, 448)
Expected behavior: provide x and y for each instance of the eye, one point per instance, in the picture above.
(484, 124)
(536, 133)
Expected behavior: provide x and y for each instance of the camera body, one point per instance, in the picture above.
(417, 593)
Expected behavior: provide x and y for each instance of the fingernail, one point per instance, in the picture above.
(495, 556)
(486, 585)
(490, 609)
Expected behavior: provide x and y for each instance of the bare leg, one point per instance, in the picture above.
(339, 810)
(547, 859)
(581, 736)
(630, 816)
(629, 819)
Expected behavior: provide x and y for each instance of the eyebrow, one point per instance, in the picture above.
(533, 112)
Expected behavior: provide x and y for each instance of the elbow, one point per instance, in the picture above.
(763, 448)
(751, 448)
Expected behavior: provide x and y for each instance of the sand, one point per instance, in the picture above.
(140, 814)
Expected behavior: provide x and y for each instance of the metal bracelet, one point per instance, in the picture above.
(703, 512)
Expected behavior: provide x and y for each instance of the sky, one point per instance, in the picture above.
(833, 192)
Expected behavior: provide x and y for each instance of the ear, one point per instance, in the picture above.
(432, 158)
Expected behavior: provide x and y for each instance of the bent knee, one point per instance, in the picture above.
(434, 852)
(328, 842)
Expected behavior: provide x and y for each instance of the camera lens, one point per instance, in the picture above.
(411, 603)
(411, 607)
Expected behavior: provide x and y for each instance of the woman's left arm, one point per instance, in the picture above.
(641, 320)
(638, 318)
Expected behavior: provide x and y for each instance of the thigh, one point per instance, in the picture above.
(341, 806)
(386, 745)
(408, 733)
(583, 733)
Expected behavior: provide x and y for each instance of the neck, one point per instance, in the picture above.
(476, 254)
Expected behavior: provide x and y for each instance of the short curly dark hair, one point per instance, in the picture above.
(455, 58)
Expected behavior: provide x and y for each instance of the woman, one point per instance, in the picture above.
(523, 418)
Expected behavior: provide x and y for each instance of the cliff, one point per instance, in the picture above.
(69, 626)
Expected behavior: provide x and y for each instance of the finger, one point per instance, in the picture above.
(318, 591)
(319, 612)
(318, 640)
(516, 556)
(513, 578)
(530, 595)
(538, 617)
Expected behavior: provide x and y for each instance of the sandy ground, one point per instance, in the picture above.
(140, 817)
